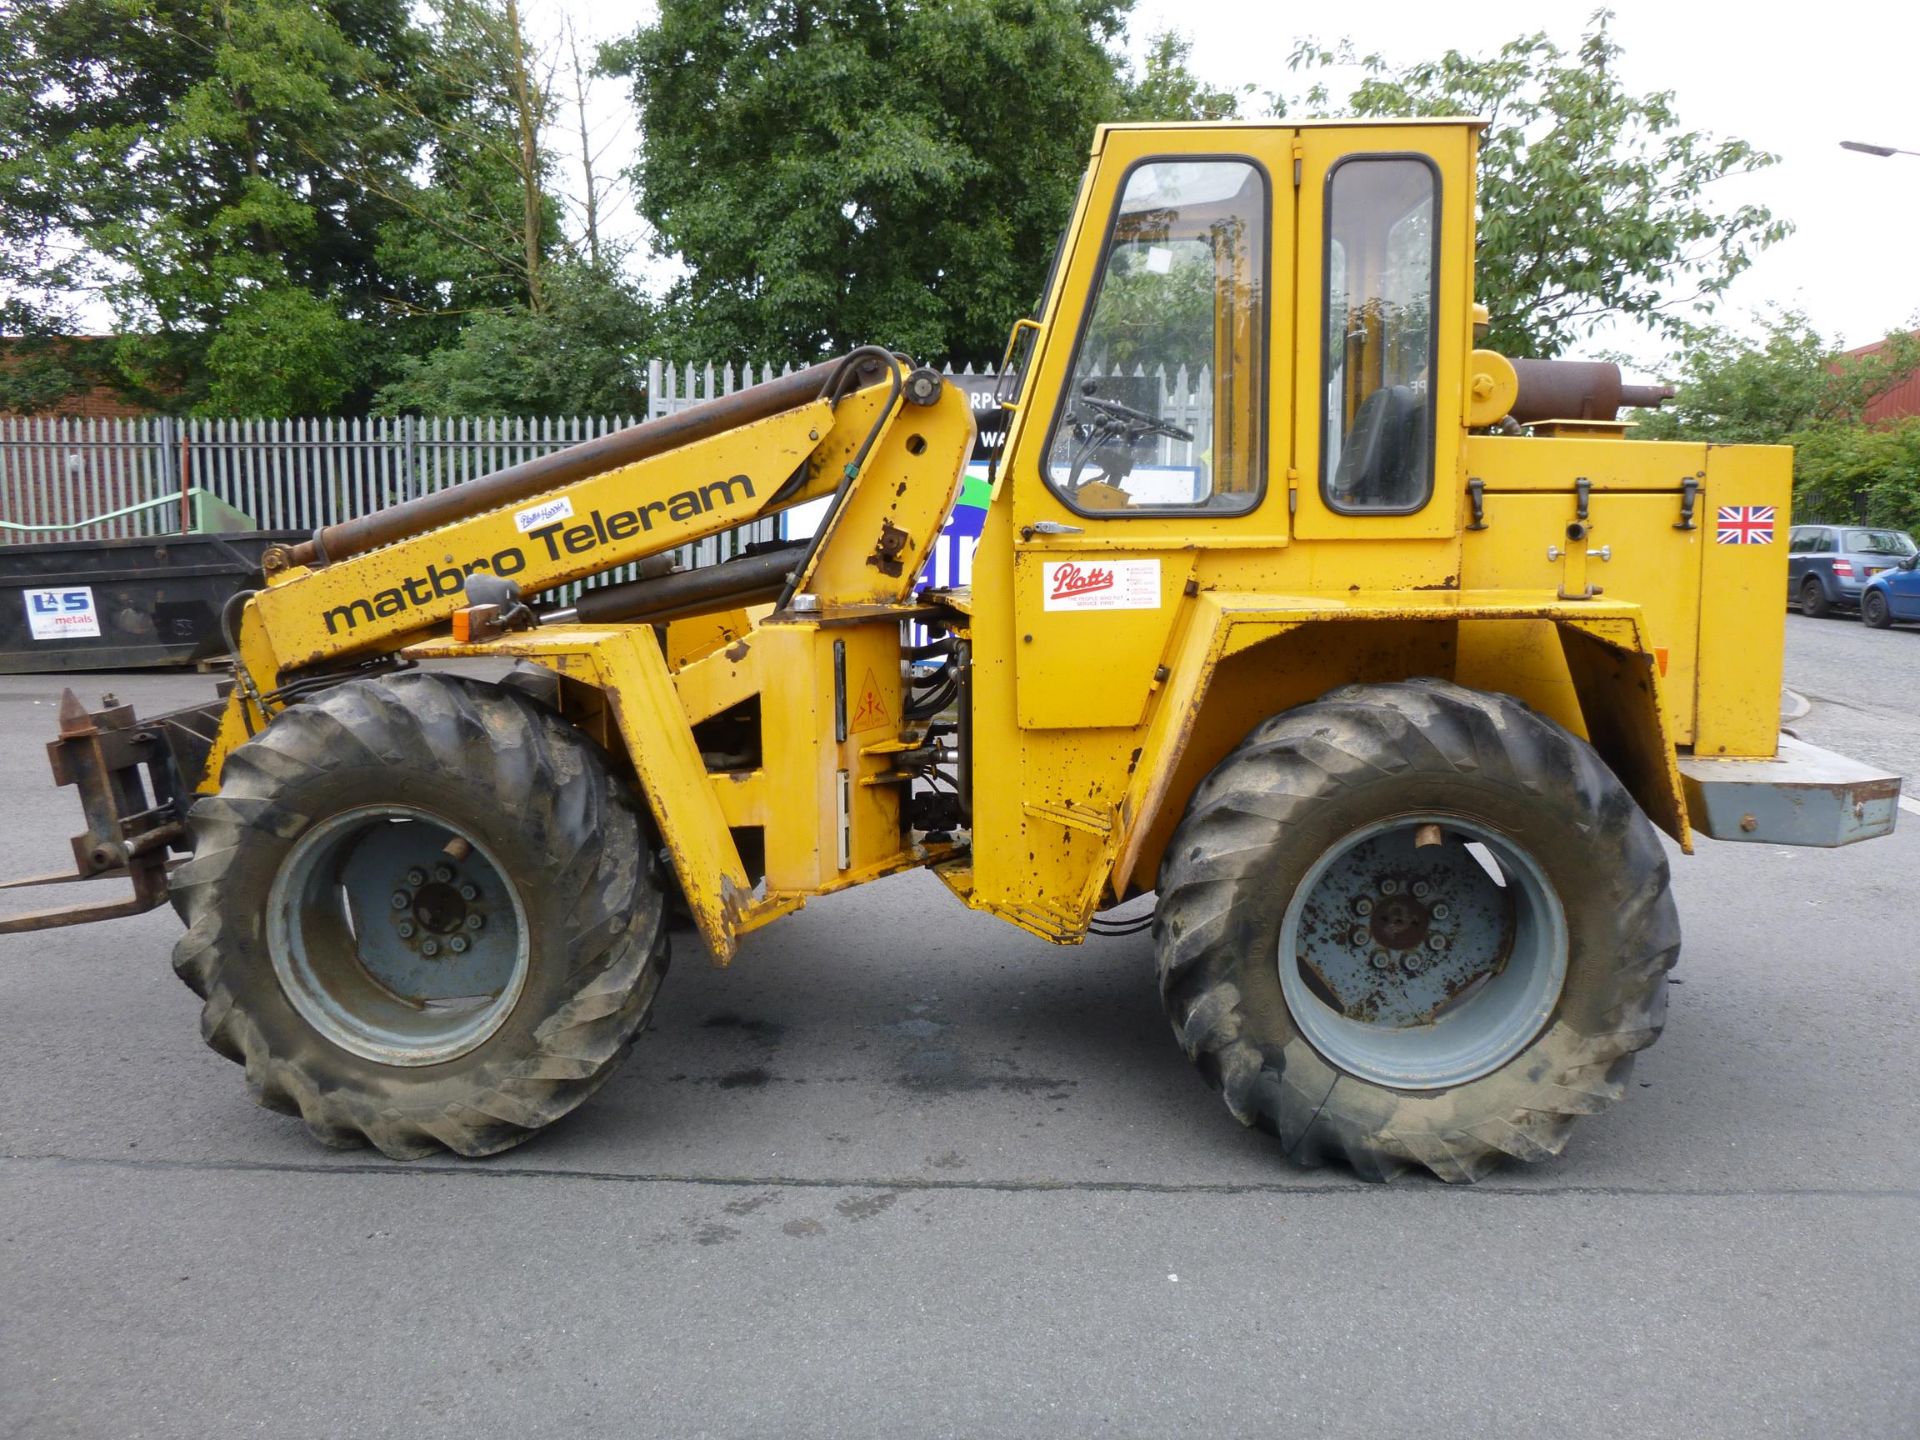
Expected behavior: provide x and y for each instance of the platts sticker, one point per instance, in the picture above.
(1100, 585)
(547, 512)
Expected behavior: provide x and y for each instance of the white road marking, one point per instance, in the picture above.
(1908, 803)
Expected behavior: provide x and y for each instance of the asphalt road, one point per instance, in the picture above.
(903, 1171)
(1863, 690)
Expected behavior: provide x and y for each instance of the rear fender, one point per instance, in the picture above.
(1247, 657)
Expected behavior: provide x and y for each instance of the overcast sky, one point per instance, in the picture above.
(1793, 81)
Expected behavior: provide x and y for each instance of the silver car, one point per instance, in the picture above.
(1829, 565)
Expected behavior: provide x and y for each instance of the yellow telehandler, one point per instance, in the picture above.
(1384, 662)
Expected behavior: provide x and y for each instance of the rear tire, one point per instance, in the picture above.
(1873, 610)
(1269, 830)
(1813, 599)
(500, 995)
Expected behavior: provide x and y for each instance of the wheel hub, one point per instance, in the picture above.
(397, 936)
(1422, 951)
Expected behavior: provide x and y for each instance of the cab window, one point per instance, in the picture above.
(1163, 407)
(1382, 288)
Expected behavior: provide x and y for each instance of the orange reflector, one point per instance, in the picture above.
(463, 632)
(1659, 655)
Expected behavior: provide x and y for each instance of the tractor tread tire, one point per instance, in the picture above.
(1364, 752)
(596, 919)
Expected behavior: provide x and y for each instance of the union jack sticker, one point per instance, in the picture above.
(1744, 525)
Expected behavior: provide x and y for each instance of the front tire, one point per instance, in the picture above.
(1445, 1040)
(422, 914)
(1873, 610)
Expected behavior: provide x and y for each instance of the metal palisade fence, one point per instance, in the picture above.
(68, 478)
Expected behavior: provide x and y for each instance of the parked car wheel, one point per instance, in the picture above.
(1813, 599)
(1873, 610)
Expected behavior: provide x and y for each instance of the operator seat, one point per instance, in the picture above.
(1384, 453)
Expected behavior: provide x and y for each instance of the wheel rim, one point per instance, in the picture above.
(1876, 607)
(1811, 595)
(1423, 965)
(397, 935)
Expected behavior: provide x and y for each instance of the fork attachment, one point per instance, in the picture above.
(134, 822)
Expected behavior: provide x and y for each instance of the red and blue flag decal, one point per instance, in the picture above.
(1744, 525)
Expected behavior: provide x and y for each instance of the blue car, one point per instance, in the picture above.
(1892, 595)
(1829, 566)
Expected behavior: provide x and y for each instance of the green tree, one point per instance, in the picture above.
(475, 231)
(1594, 202)
(1165, 87)
(281, 352)
(199, 153)
(583, 352)
(338, 185)
(839, 171)
(1787, 384)
(1742, 388)
(1863, 473)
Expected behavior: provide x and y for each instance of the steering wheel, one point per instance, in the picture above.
(1138, 421)
(1105, 433)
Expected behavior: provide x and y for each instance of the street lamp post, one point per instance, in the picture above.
(1881, 150)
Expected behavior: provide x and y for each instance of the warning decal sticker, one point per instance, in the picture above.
(870, 710)
(1100, 585)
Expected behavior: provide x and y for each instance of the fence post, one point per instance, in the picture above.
(171, 464)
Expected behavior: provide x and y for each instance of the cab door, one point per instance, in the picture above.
(1166, 435)
(1386, 250)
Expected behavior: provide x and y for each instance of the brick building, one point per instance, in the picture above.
(1898, 403)
(96, 402)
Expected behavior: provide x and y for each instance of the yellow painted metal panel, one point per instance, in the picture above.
(1743, 605)
(373, 601)
(1085, 668)
(877, 542)
(1523, 462)
(1650, 563)
(1617, 676)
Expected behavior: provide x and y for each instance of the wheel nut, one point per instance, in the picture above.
(1436, 943)
(469, 892)
(1440, 911)
(1389, 887)
(1363, 906)
(443, 873)
(429, 947)
(1360, 938)
(1421, 889)
(1414, 961)
(416, 876)
(1380, 960)
(404, 929)
(401, 899)
(474, 922)
(458, 944)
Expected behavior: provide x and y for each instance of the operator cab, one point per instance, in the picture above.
(1254, 334)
